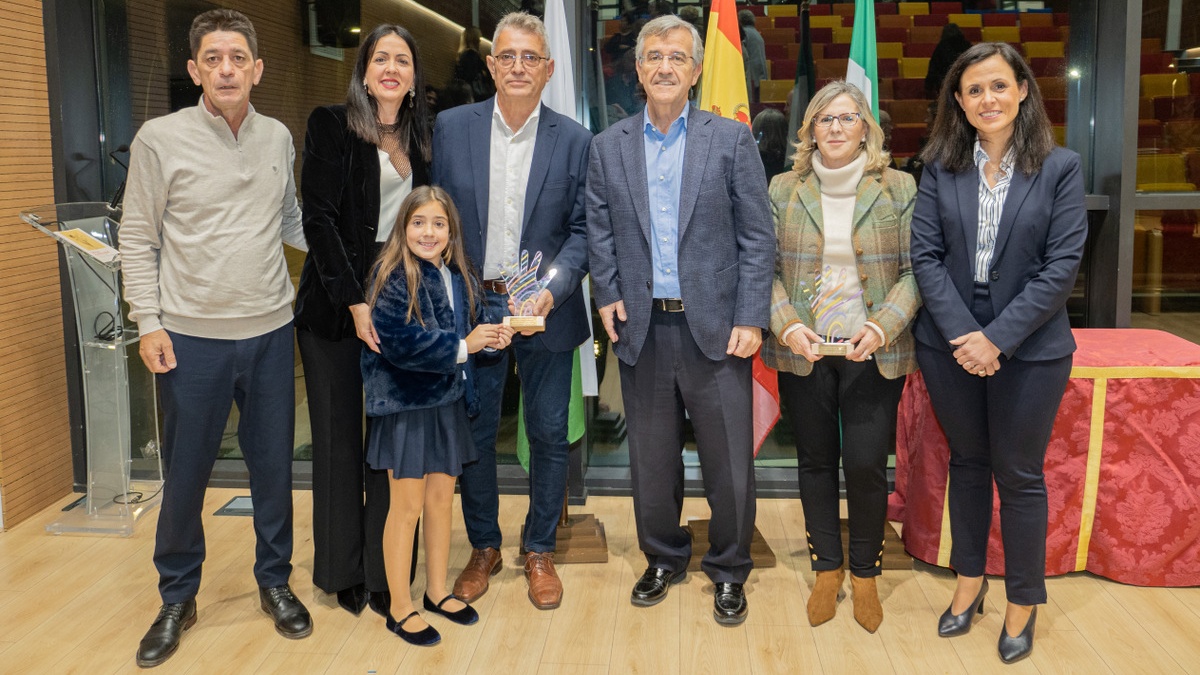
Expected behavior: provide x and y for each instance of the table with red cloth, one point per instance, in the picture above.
(1122, 467)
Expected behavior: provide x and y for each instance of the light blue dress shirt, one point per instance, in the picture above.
(664, 174)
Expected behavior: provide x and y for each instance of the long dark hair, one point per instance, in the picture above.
(395, 252)
(362, 116)
(952, 139)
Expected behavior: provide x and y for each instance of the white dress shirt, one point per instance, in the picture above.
(511, 159)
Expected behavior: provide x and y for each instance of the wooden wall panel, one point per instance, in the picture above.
(35, 446)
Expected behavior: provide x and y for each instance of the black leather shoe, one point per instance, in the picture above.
(380, 602)
(950, 625)
(464, 617)
(353, 599)
(729, 604)
(652, 588)
(1013, 649)
(291, 618)
(161, 641)
(425, 637)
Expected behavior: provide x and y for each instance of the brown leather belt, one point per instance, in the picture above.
(496, 286)
(667, 304)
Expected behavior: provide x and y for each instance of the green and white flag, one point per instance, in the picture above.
(863, 70)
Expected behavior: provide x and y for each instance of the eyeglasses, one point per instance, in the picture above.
(677, 59)
(530, 60)
(846, 120)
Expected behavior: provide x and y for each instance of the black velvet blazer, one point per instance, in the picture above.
(340, 191)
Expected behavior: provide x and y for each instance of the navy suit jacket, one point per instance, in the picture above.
(726, 234)
(554, 222)
(1039, 245)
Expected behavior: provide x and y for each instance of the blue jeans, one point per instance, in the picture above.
(546, 383)
(259, 375)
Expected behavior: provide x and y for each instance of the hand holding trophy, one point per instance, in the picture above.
(523, 290)
(827, 299)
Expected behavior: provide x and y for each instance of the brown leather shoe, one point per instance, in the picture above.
(472, 582)
(545, 589)
(827, 590)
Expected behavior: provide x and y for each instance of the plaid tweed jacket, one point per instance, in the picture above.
(882, 216)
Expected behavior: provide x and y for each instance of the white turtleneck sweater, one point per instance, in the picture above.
(841, 312)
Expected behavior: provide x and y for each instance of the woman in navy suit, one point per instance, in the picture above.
(361, 160)
(997, 238)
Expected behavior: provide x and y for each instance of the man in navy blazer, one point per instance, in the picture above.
(682, 254)
(516, 169)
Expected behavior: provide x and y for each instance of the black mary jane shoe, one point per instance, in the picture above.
(353, 599)
(652, 587)
(1013, 649)
(951, 625)
(379, 602)
(425, 637)
(729, 604)
(464, 617)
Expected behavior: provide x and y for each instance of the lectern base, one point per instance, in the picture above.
(110, 517)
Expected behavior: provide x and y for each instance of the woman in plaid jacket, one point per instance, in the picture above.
(842, 275)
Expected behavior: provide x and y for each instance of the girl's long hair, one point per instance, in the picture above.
(396, 253)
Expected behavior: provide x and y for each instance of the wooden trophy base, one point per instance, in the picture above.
(535, 324)
(760, 551)
(580, 540)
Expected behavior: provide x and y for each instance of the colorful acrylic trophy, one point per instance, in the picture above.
(828, 302)
(523, 289)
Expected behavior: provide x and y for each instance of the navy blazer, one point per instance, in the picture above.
(726, 234)
(1039, 245)
(417, 366)
(340, 190)
(554, 209)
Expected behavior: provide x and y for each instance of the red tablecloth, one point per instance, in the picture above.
(1122, 467)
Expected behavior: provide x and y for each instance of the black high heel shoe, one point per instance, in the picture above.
(353, 599)
(425, 637)
(1013, 649)
(950, 625)
(379, 602)
(465, 616)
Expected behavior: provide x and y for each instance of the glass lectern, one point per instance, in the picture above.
(124, 469)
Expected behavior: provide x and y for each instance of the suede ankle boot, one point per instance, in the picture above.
(867, 610)
(826, 591)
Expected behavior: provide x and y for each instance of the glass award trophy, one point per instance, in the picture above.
(523, 289)
(828, 300)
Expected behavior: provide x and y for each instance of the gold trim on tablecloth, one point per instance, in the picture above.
(944, 543)
(1091, 481)
(1135, 372)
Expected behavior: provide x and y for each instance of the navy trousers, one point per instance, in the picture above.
(546, 383)
(259, 375)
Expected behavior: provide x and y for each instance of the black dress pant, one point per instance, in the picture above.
(347, 531)
(997, 427)
(843, 410)
(672, 375)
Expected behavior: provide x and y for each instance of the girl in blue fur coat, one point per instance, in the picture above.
(419, 391)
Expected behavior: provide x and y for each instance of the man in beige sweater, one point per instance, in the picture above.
(210, 201)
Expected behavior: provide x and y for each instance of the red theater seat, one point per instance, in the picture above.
(1158, 63)
(783, 69)
(891, 34)
(1056, 108)
(884, 8)
(908, 87)
(821, 35)
(888, 67)
(1048, 66)
(1040, 34)
(1000, 19)
(837, 51)
(906, 138)
(919, 50)
(945, 8)
(819, 10)
(931, 20)
(792, 22)
(1174, 108)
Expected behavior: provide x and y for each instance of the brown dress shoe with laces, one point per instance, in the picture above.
(472, 582)
(545, 589)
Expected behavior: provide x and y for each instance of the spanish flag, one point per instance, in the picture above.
(723, 92)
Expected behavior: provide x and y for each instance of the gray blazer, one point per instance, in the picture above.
(726, 235)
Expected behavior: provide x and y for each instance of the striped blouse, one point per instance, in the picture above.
(991, 205)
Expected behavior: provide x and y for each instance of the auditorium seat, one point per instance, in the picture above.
(885, 87)
(1162, 62)
(1146, 108)
(1036, 19)
(844, 8)
(908, 88)
(973, 34)
(945, 8)
(837, 51)
(843, 34)
(762, 23)
(914, 67)
(832, 68)
(774, 52)
(938, 20)
(1052, 87)
(891, 34)
(1062, 19)
(1170, 84)
(783, 69)
(822, 35)
(907, 111)
(1060, 134)
(1161, 168)
(1168, 108)
(774, 91)
(1044, 66)
(782, 10)
(792, 22)
(1150, 134)
(779, 36)
(819, 10)
(1040, 34)
(1001, 34)
(1183, 135)
(966, 20)
(756, 10)
(889, 50)
(1044, 49)
(999, 19)
(930, 34)
(888, 67)
(906, 138)
(1151, 45)
(831, 21)
(912, 8)
(883, 9)
(1056, 109)
(892, 21)
(919, 49)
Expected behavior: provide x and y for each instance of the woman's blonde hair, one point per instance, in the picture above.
(877, 158)
(396, 253)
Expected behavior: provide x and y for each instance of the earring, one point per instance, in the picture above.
(412, 98)
(365, 87)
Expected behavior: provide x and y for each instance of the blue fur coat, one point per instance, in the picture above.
(418, 365)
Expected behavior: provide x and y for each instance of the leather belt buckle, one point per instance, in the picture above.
(496, 286)
(668, 304)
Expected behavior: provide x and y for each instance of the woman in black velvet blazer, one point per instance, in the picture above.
(385, 110)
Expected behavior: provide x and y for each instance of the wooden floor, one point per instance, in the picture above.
(79, 604)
